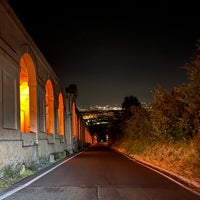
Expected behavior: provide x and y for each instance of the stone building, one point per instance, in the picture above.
(38, 115)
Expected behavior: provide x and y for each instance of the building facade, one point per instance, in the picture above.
(38, 116)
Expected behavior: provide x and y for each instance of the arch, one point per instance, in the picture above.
(49, 107)
(60, 114)
(28, 95)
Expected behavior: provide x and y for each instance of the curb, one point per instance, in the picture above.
(187, 183)
(34, 177)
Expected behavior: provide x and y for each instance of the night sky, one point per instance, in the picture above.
(113, 50)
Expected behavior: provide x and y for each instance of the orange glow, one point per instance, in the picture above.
(24, 102)
(28, 96)
(61, 115)
(49, 108)
(88, 138)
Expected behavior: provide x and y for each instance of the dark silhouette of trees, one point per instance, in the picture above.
(119, 122)
(192, 90)
(72, 89)
(130, 101)
(174, 115)
(115, 129)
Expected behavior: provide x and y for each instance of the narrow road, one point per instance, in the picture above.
(100, 173)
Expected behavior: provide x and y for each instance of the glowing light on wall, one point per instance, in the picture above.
(28, 96)
(24, 102)
(49, 108)
(60, 115)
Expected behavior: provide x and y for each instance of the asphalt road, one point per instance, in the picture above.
(100, 173)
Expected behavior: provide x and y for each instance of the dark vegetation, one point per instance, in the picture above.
(166, 133)
(172, 116)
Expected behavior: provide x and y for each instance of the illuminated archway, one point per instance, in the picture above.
(49, 108)
(60, 114)
(24, 101)
(28, 99)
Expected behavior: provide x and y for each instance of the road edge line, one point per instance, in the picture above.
(160, 171)
(11, 192)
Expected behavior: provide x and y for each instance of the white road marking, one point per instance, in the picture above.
(9, 193)
(160, 172)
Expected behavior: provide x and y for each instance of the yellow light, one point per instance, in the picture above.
(24, 107)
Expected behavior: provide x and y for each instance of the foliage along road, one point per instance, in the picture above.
(100, 173)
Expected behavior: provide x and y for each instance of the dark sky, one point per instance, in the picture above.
(113, 50)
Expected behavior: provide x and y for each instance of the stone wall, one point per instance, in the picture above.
(17, 147)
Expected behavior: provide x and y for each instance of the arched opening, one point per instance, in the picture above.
(49, 108)
(24, 101)
(60, 114)
(28, 100)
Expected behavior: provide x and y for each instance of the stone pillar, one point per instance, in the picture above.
(70, 123)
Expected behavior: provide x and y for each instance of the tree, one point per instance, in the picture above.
(192, 89)
(139, 126)
(130, 101)
(120, 118)
(169, 115)
(72, 89)
(115, 129)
